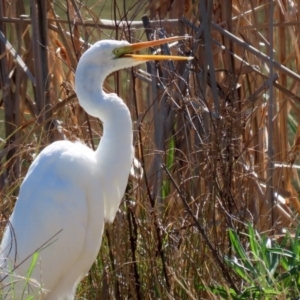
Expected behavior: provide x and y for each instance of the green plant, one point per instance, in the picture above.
(26, 281)
(266, 269)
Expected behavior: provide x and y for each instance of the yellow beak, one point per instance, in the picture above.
(126, 51)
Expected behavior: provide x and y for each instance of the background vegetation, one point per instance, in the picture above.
(217, 139)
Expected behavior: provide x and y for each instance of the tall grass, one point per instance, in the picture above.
(217, 139)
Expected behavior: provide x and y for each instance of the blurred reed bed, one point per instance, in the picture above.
(216, 140)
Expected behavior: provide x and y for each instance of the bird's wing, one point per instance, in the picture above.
(51, 217)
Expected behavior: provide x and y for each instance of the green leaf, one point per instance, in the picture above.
(34, 260)
(224, 293)
(256, 290)
(253, 242)
(239, 249)
(240, 269)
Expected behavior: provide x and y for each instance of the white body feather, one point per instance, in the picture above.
(68, 192)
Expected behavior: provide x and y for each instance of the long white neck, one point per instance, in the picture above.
(115, 151)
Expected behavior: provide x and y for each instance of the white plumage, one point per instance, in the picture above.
(70, 190)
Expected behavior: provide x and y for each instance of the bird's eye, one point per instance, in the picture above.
(118, 52)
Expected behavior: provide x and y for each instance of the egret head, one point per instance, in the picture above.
(115, 55)
(103, 58)
(102, 52)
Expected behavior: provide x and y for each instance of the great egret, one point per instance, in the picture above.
(70, 190)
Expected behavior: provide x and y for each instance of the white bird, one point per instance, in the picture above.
(55, 231)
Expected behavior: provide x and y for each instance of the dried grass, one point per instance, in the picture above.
(218, 140)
